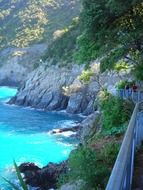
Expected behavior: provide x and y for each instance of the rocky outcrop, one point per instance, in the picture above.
(89, 127)
(84, 130)
(83, 101)
(16, 63)
(73, 129)
(46, 88)
(44, 178)
(51, 87)
(43, 89)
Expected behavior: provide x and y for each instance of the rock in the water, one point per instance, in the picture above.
(51, 87)
(45, 100)
(28, 166)
(73, 129)
(90, 108)
(44, 178)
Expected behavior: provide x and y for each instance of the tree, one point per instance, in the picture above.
(112, 30)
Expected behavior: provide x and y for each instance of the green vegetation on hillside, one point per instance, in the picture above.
(85, 76)
(93, 161)
(111, 30)
(32, 21)
(91, 165)
(115, 111)
(63, 46)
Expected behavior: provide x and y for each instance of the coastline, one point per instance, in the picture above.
(63, 112)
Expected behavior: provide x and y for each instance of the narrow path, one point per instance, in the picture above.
(138, 171)
(138, 168)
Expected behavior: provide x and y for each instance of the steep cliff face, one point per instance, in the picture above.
(58, 88)
(16, 63)
(43, 88)
(47, 89)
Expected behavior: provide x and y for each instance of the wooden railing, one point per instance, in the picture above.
(122, 173)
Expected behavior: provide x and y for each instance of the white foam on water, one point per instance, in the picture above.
(68, 133)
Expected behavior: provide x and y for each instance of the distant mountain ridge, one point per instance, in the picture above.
(26, 22)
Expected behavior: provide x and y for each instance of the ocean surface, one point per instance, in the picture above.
(25, 136)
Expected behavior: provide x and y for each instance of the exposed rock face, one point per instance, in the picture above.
(16, 63)
(83, 100)
(89, 126)
(75, 104)
(44, 178)
(43, 89)
(28, 166)
(51, 87)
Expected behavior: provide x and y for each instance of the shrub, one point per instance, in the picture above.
(86, 76)
(121, 66)
(115, 131)
(86, 51)
(116, 111)
(109, 153)
(138, 71)
(121, 85)
(84, 165)
(91, 166)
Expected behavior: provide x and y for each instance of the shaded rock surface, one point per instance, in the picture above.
(89, 126)
(44, 88)
(44, 178)
(16, 63)
(51, 87)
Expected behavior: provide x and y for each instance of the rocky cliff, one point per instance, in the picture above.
(58, 88)
(17, 63)
(55, 88)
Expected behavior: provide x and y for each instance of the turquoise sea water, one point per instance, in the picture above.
(24, 135)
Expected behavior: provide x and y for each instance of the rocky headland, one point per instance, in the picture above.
(60, 88)
(55, 88)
